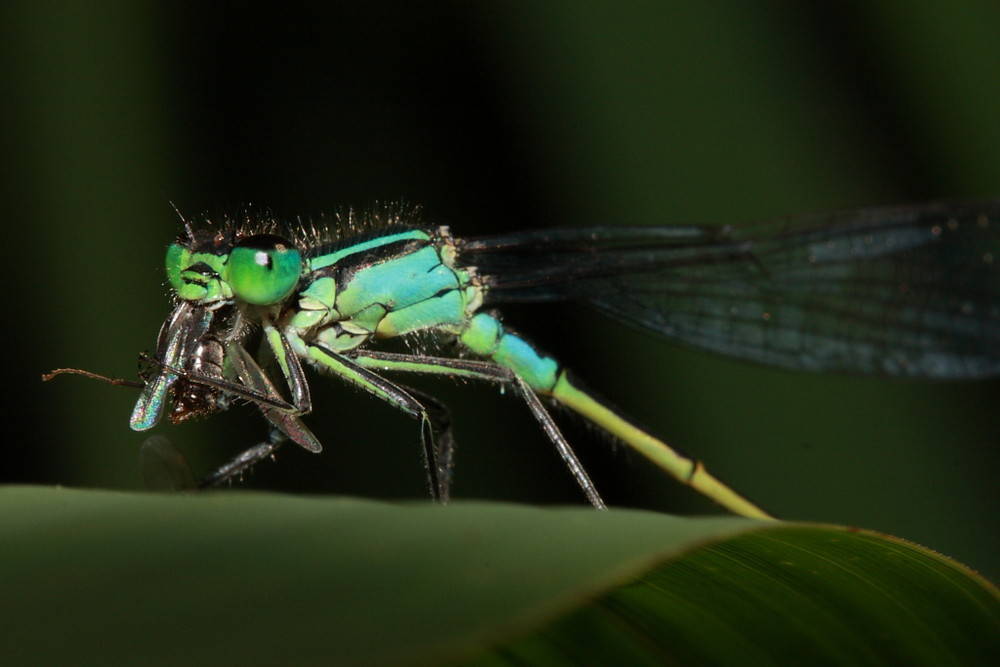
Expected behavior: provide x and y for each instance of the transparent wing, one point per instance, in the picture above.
(910, 291)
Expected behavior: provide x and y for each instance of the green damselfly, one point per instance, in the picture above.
(906, 292)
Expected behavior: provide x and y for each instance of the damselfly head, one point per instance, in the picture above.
(239, 260)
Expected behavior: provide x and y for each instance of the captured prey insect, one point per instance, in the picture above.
(907, 292)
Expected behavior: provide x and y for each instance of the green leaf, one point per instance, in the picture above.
(247, 578)
(788, 595)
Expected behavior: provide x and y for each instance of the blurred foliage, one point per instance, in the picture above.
(496, 117)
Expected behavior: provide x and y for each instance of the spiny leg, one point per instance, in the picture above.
(245, 460)
(491, 372)
(285, 418)
(562, 445)
(432, 415)
(288, 362)
(438, 443)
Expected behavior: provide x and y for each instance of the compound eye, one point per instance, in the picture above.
(264, 269)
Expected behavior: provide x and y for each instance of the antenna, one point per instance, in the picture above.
(187, 225)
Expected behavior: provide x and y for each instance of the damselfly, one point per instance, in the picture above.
(906, 292)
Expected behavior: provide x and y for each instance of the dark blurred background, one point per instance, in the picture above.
(497, 117)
